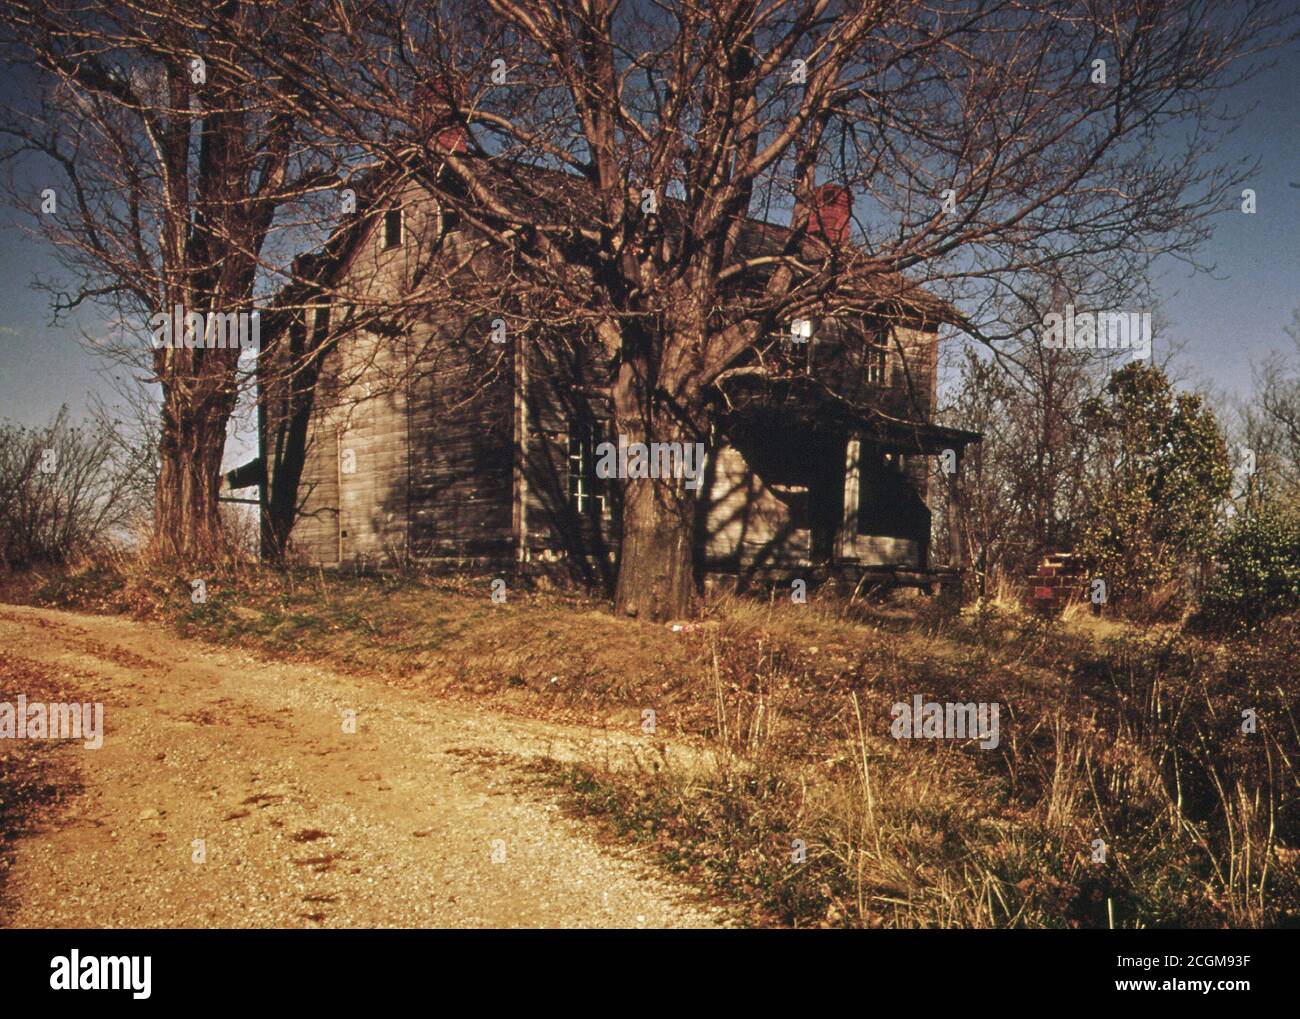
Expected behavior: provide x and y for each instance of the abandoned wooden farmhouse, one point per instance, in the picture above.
(449, 438)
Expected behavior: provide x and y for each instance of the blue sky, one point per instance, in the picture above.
(1225, 318)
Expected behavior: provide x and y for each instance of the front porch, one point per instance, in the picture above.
(885, 518)
(830, 491)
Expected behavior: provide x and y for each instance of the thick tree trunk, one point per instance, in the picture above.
(656, 573)
(187, 519)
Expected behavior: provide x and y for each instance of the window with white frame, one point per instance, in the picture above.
(586, 488)
(877, 362)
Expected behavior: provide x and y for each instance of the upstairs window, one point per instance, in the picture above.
(392, 228)
(876, 362)
(328, 386)
(586, 489)
(448, 220)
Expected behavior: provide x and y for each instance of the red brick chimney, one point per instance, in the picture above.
(454, 138)
(832, 208)
(434, 104)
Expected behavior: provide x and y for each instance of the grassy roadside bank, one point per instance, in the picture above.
(1122, 790)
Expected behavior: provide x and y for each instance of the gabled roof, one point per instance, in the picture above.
(895, 297)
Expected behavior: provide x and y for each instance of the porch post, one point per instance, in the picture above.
(956, 544)
(848, 536)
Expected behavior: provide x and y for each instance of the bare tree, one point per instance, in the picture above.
(612, 153)
(1268, 460)
(1022, 483)
(166, 173)
(64, 491)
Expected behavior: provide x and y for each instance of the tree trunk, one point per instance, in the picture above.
(656, 574)
(285, 431)
(187, 519)
(281, 510)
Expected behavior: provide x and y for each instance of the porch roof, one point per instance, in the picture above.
(915, 437)
(757, 400)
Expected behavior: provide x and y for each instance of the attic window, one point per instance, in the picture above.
(328, 377)
(328, 385)
(392, 228)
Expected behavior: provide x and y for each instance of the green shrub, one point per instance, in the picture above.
(1259, 572)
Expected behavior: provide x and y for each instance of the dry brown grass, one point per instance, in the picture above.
(812, 814)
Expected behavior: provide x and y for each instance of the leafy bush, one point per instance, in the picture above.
(1159, 474)
(1259, 572)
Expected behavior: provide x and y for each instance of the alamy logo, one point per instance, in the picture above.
(73, 972)
(213, 331)
(652, 460)
(932, 720)
(52, 721)
(1105, 330)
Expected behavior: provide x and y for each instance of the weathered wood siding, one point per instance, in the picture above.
(460, 446)
(746, 523)
(422, 419)
(316, 533)
(563, 389)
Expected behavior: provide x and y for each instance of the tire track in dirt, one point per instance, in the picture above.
(214, 755)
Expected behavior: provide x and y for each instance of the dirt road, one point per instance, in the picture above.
(228, 793)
